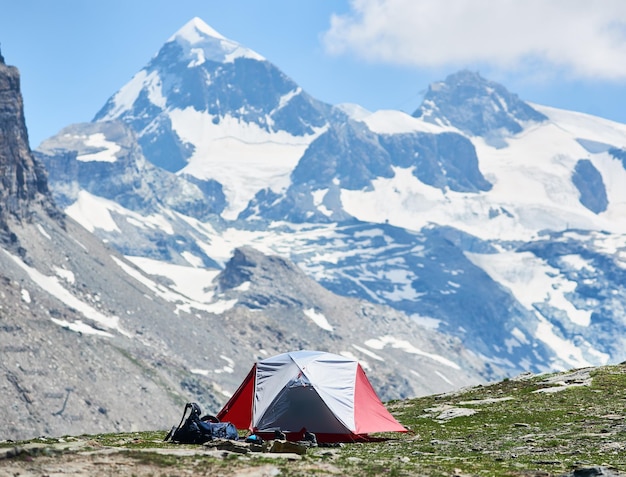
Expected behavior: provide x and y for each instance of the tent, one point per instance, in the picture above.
(323, 393)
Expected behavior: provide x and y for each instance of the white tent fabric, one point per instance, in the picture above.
(275, 380)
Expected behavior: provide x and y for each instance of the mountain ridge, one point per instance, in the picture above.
(429, 201)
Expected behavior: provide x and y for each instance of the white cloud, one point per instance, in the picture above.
(582, 38)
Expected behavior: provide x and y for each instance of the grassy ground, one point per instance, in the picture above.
(549, 425)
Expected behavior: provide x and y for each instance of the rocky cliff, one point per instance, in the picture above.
(23, 183)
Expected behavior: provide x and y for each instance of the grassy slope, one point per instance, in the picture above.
(516, 429)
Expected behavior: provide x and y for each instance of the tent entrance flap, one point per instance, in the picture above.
(297, 407)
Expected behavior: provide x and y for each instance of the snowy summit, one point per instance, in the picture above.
(204, 43)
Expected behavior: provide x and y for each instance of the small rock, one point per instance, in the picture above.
(229, 445)
(592, 472)
(281, 446)
(9, 452)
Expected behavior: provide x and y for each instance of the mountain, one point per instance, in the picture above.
(495, 222)
(476, 106)
(93, 341)
(208, 107)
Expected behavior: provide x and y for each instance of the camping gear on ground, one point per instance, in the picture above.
(198, 430)
(309, 392)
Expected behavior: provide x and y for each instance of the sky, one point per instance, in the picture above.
(381, 54)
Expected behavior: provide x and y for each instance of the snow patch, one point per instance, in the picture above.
(201, 372)
(192, 259)
(191, 282)
(245, 286)
(443, 376)
(79, 326)
(355, 111)
(531, 280)
(106, 149)
(51, 286)
(380, 343)
(519, 336)
(25, 296)
(318, 318)
(196, 34)
(195, 30)
(398, 122)
(43, 232)
(402, 285)
(93, 212)
(570, 353)
(284, 99)
(229, 367)
(318, 198)
(426, 321)
(127, 95)
(367, 352)
(241, 156)
(66, 275)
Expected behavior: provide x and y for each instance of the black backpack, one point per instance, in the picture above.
(198, 430)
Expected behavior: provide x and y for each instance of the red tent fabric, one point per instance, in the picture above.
(238, 409)
(323, 393)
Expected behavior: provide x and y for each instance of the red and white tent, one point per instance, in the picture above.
(323, 393)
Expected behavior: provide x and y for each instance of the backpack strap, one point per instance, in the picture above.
(190, 405)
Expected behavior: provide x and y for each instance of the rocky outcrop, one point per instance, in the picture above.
(23, 180)
(105, 160)
(284, 305)
(476, 106)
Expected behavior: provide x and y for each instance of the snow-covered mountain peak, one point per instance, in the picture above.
(195, 29)
(201, 42)
(476, 106)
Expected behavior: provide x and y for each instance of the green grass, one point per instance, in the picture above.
(518, 432)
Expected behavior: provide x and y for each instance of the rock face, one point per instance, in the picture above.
(104, 160)
(592, 190)
(107, 161)
(475, 105)
(22, 179)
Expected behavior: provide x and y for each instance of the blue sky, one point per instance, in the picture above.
(382, 54)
